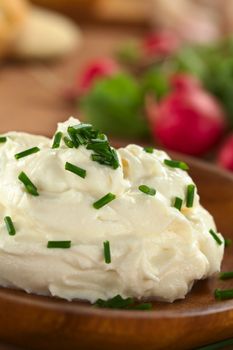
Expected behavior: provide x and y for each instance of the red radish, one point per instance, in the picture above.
(225, 156)
(96, 69)
(161, 43)
(189, 119)
(99, 68)
(184, 82)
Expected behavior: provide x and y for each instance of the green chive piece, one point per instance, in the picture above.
(219, 345)
(3, 139)
(107, 252)
(68, 142)
(227, 242)
(176, 164)
(86, 135)
(57, 140)
(178, 203)
(226, 275)
(85, 128)
(114, 160)
(148, 149)
(29, 186)
(9, 225)
(27, 152)
(104, 200)
(59, 244)
(215, 236)
(143, 306)
(118, 302)
(223, 294)
(72, 133)
(147, 190)
(104, 154)
(190, 196)
(75, 169)
(101, 160)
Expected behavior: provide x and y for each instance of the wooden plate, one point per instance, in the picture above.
(37, 322)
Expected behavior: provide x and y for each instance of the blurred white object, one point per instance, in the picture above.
(195, 20)
(12, 17)
(46, 35)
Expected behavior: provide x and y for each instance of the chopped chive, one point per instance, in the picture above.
(102, 137)
(107, 252)
(57, 140)
(143, 307)
(86, 135)
(84, 128)
(118, 302)
(104, 200)
(104, 154)
(3, 139)
(223, 294)
(147, 190)
(72, 133)
(81, 140)
(178, 203)
(215, 236)
(9, 225)
(59, 244)
(220, 345)
(100, 159)
(227, 242)
(75, 169)
(114, 160)
(148, 149)
(99, 146)
(27, 152)
(226, 275)
(190, 195)
(68, 142)
(176, 164)
(29, 186)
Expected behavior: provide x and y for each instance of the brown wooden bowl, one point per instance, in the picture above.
(37, 322)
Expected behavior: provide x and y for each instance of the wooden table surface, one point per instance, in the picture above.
(31, 94)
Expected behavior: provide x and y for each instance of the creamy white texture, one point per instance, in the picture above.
(157, 251)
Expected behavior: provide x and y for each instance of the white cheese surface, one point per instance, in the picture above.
(157, 251)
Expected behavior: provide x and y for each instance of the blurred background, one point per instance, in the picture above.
(154, 72)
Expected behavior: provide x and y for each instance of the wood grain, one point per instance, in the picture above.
(37, 322)
(32, 94)
(134, 12)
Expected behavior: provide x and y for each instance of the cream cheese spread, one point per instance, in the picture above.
(157, 251)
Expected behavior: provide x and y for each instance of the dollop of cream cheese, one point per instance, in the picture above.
(157, 251)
